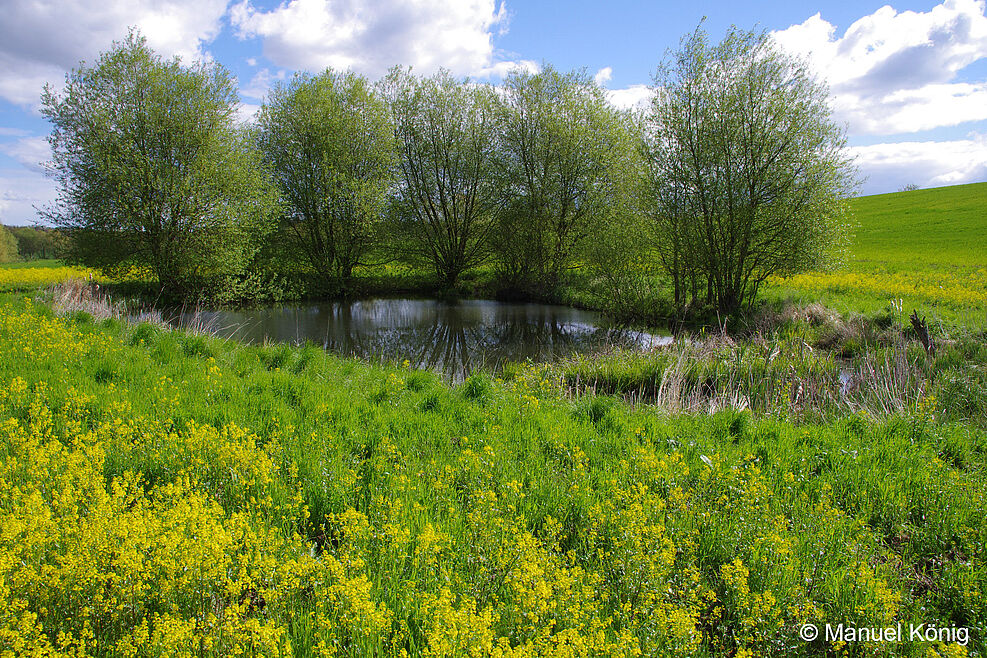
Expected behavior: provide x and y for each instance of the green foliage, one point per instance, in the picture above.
(8, 246)
(153, 169)
(36, 242)
(747, 171)
(330, 144)
(563, 154)
(446, 195)
(478, 510)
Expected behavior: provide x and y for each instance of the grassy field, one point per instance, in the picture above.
(32, 264)
(922, 249)
(944, 226)
(169, 493)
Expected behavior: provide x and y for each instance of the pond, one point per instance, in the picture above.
(452, 338)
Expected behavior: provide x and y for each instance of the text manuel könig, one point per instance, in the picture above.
(897, 633)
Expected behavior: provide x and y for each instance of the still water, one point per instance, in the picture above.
(452, 338)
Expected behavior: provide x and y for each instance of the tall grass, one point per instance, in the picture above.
(798, 372)
(167, 492)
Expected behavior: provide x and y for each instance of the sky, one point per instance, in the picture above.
(908, 80)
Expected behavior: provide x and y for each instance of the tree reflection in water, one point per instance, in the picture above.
(453, 338)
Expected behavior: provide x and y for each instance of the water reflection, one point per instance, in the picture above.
(453, 338)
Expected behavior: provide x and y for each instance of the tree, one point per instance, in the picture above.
(8, 246)
(562, 151)
(446, 144)
(330, 143)
(153, 169)
(35, 241)
(749, 174)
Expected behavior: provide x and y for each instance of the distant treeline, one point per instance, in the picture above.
(28, 243)
(734, 173)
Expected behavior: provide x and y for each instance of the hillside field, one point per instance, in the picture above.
(926, 248)
(943, 226)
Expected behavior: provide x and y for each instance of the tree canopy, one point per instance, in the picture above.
(562, 149)
(737, 172)
(330, 145)
(446, 144)
(153, 168)
(8, 246)
(748, 172)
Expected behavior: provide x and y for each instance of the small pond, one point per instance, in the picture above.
(452, 338)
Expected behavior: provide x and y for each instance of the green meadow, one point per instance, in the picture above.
(921, 250)
(937, 228)
(169, 493)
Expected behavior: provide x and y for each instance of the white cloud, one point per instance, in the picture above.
(42, 39)
(926, 164)
(261, 82)
(247, 112)
(913, 110)
(603, 75)
(371, 36)
(633, 97)
(894, 72)
(20, 192)
(29, 151)
(21, 81)
(500, 69)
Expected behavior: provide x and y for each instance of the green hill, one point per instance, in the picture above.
(938, 226)
(923, 249)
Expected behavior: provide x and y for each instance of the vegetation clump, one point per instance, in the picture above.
(328, 141)
(153, 169)
(747, 173)
(736, 174)
(172, 493)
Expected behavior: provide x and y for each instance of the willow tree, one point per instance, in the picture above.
(330, 145)
(750, 174)
(563, 153)
(446, 193)
(153, 168)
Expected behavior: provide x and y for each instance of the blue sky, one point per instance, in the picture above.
(908, 79)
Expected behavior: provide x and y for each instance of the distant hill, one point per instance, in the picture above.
(942, 226)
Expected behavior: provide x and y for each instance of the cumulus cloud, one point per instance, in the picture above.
(894, 72)
(633, 97)
(926, 164)
(41, 40)
(31, 152)
(500, 69)
(370, 37)
(247, 112)
(261, 82)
